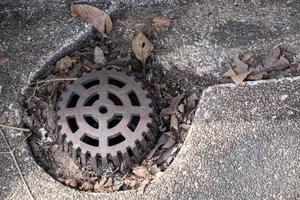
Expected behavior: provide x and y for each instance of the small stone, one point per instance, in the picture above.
(99, 57)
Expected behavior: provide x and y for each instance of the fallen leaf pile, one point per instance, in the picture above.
(273, 61)
(93, 16)
(173, 115)
(142, 47)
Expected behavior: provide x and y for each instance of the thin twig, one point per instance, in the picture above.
(53, 80)
(289, 107)
(22, 141)
(17, 165)
(15, 128)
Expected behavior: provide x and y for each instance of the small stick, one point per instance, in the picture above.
(53, 80)
(22, 142)
(15, 128)
(17, 165)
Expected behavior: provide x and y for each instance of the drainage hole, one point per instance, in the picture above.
(72, 124)
(133, 123)
(73, 101)
(115, 99)
(115, 139)
(103, 110)
(134, 99)
(90, 141)
(116, 82)
(114, 121)
(90, 83)
(91, 121)
(91, 100)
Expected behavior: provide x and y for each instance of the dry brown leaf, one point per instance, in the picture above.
(161, 22)
(246, 57)
(109, 182)
(99, 57)
(3, 60)
(65, 63)
(166, 155)
(241, 67)
(169, 143)
(274, 61)
(174, 122)
(237, 78)
(154, 170)
(142, 187)
(93, 16)
(87, 186)
(141, 171)
(98, 187)
(241, 77)
(173, 106)
(230, 73)
(130, 182)
(142, 47)
(71, 182)
(162, 140)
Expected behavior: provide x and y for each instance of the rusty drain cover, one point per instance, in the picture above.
(105, 116)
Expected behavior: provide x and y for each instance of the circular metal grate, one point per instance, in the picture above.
(105, 116)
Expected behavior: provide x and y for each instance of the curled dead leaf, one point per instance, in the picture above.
(274, 61)
(130, 182)
(71, 182)
(142, 47)
(141, 171)
(154, 170)
(161, 22)
(173, 106)
(65, 63)
(142, 187)
(93, 16)
(241, 66)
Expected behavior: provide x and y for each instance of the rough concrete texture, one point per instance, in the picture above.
(208, 34)
(241, 144)
(244, 144)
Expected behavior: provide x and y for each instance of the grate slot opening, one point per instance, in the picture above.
(90, 141)
(133, 123)
(73, 101)
(115, 99)
(72, 124)
(91, 121)
(134, 99)
(92, 100)
(114, 121)
(116, 139)
(116, 82)
(90, 83)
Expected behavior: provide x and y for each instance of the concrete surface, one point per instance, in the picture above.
(241, 144)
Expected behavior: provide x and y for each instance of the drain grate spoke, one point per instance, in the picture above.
(104, 115)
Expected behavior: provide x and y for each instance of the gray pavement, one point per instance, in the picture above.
(244, 142)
